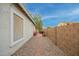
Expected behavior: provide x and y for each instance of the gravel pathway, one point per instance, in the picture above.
(39, 46)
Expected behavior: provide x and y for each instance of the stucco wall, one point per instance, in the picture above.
(66, 38)
(28, 29)
(4, 29)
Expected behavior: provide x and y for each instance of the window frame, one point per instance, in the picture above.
(12, 27)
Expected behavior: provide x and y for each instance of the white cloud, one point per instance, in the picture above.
(50, 16)
(76, 11)
(73, 12)
(50, 5)
(66, 13)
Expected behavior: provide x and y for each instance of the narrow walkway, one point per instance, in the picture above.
(39, 46)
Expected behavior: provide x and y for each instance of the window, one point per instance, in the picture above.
(18, 27)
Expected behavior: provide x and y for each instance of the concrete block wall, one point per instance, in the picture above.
(66, 38)
(51, 34)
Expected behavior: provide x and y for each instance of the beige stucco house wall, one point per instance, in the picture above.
(12, 27)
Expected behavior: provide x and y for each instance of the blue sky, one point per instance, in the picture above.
(54, 13)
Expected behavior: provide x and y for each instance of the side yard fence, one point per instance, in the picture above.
(65, 37)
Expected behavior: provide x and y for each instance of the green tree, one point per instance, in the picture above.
(49, 27)
(38, 22)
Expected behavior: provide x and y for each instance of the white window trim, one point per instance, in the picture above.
(12, 28)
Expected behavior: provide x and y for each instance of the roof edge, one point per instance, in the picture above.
(31, 18)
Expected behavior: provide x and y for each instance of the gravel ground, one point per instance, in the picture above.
(39, 46)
